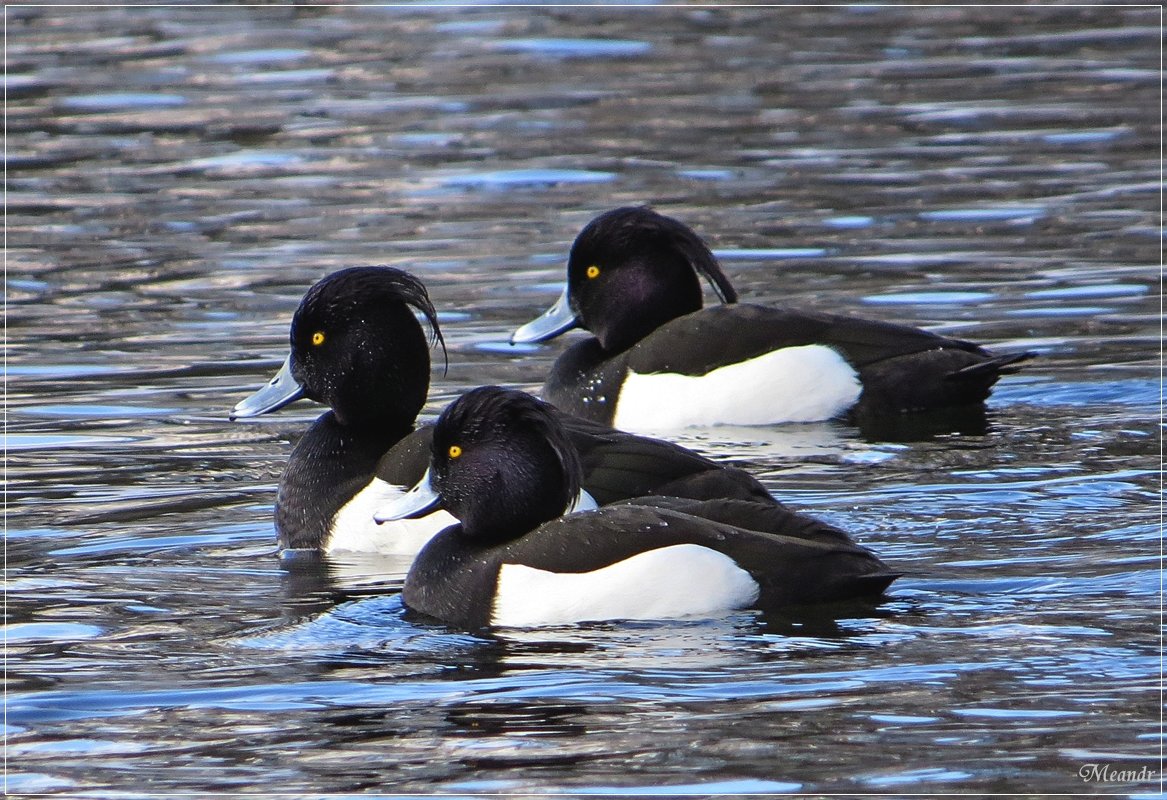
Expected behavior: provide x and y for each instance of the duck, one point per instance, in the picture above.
(658, 360)
(528, 551)
(357, 345)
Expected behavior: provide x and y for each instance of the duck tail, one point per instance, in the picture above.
(875, 583)
(991, 368)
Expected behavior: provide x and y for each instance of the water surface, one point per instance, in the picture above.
(177, 177)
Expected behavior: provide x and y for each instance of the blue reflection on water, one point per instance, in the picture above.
(574, 48)
(983, 214)
(274, 54)
(764, 253)
(114, 100)
(929, 298)
(510, 178)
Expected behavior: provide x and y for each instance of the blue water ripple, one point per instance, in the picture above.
(929, 298)
(110, 101)
(983, 214)
(267, 56)
(510, 178)
(768, 253)
(1094, 290)
(574, 48)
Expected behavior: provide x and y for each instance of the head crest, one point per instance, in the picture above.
(347, 289)
(632, 227)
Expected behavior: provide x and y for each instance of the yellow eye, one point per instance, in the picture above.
(318, 338)
(454, 451)
(593, 271)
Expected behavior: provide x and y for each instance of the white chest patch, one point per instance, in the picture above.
(677, 581)
(353, 528)
(793, 384)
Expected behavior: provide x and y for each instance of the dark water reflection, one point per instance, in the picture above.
(178, 176)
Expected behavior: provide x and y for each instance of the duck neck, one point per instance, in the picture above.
(387, 421)
(326, 469)
(516, 502)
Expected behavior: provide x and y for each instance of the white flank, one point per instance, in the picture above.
(793, 384)
(353, 528)
(677, 581)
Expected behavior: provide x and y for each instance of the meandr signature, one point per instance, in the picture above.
(1107, 773)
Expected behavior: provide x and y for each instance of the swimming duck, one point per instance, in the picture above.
(357, 346)
(526, 552)
(657, 360)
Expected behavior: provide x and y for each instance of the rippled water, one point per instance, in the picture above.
(177, 177)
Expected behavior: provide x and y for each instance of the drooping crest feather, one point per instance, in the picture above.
(632, 228)
(348, 289)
